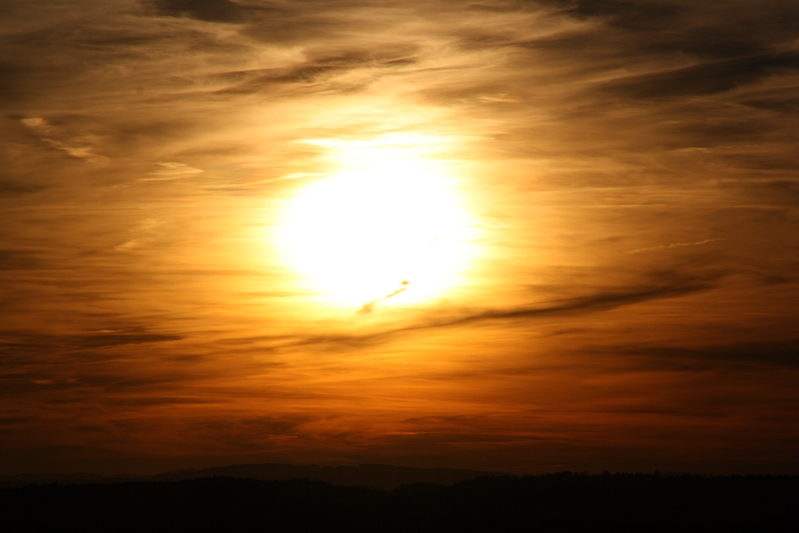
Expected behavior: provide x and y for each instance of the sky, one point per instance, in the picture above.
(526, 236)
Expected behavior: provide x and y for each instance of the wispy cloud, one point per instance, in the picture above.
(79, 147)
(672, 245)
(171, 171)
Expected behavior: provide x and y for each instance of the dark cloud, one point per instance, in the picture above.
(779, 99)
(15, 420)
(707, 78)
(98, 341)
(151, 399)
(19, 260)
(316, 69)
(633, 14)
(708, 30)
(207, 10)
(256, 426)
(769, 353)
(276, 22)
(601, 301)
(598, 302)
(10, 87)
(27, 344)
(12, 189)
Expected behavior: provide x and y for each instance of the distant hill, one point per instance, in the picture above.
(563, 502)
(370, 475)
(21, 480)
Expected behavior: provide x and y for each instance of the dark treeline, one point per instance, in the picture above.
(553, 502)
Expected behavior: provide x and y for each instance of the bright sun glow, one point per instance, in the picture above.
(387, 227)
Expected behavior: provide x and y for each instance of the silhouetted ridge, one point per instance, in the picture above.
(368, 475)
(556, 502)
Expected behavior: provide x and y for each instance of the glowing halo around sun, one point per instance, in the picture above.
(387, 227)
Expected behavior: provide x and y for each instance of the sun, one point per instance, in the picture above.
(388, 226)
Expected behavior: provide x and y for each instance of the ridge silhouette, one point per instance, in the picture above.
(551, 502)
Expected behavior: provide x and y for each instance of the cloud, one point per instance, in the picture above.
(586, 304)
(79, 147)
(20, 260)
(779, 353)
(8, 189)
(117, 339)
(171, 171)
(207, 10)
(672, 245)
(705, 78)
(147, 231)
(580, 305)
(21, 342)
(711, 30)
(132, 244)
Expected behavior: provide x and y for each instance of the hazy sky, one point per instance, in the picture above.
(619, 180)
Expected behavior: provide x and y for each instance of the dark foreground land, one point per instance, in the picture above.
(554, 502)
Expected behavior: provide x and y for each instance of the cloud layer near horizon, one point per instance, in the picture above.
(631, 166)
